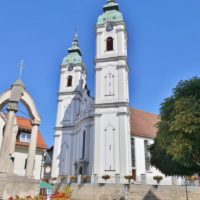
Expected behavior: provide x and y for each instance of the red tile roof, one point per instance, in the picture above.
(143, 123)
(25, 123)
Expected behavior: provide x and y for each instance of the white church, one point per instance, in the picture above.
(102, 135)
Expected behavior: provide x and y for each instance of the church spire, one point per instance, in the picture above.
(74, 53)
(75, 45)
(111, 5)
(111, 13)
(75, 41)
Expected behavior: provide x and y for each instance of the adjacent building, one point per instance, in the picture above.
(23, 127)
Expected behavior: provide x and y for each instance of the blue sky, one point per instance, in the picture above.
(164, 47)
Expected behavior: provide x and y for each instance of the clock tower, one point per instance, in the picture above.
(72, 82)
(72, 85)
(112, 149)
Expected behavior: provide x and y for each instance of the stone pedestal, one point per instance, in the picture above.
(143, 179)
(16, 185)
(79, 179)
(117, 178)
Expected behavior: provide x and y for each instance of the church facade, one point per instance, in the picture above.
(102, 135)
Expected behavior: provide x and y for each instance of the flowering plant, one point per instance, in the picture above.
(38, 197)
(60, 196)
(65, 195)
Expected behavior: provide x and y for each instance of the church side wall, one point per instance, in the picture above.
(140, 163)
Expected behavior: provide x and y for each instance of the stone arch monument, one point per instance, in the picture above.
(11, 98)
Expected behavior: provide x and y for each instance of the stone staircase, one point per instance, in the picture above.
(2, 187)
(136, 192)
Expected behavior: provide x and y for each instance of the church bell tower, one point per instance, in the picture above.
(112, 149)
(72, 84)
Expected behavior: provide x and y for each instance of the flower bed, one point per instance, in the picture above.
(64, 195)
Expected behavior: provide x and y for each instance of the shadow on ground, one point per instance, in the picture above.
(151, 196)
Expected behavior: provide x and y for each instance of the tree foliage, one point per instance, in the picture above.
(176, 150)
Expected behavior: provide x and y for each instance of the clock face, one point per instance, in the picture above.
(48, 170)
(109, 27)
(70, 68)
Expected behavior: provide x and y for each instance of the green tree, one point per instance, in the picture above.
(176, 150)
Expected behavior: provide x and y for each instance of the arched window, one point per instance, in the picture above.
(83, 147)
(109, 44)
(69, 81)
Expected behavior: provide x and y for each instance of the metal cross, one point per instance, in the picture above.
(21, 66)
(76, 30)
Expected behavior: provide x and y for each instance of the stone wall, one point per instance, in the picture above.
(136, 192)
(21, 186)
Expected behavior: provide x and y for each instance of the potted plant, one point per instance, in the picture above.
(106, 177)
(62, 178)
(129, 178)
(85, 178)
(54, 178)
(73, 179)
(195, 179)
(158, 179)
